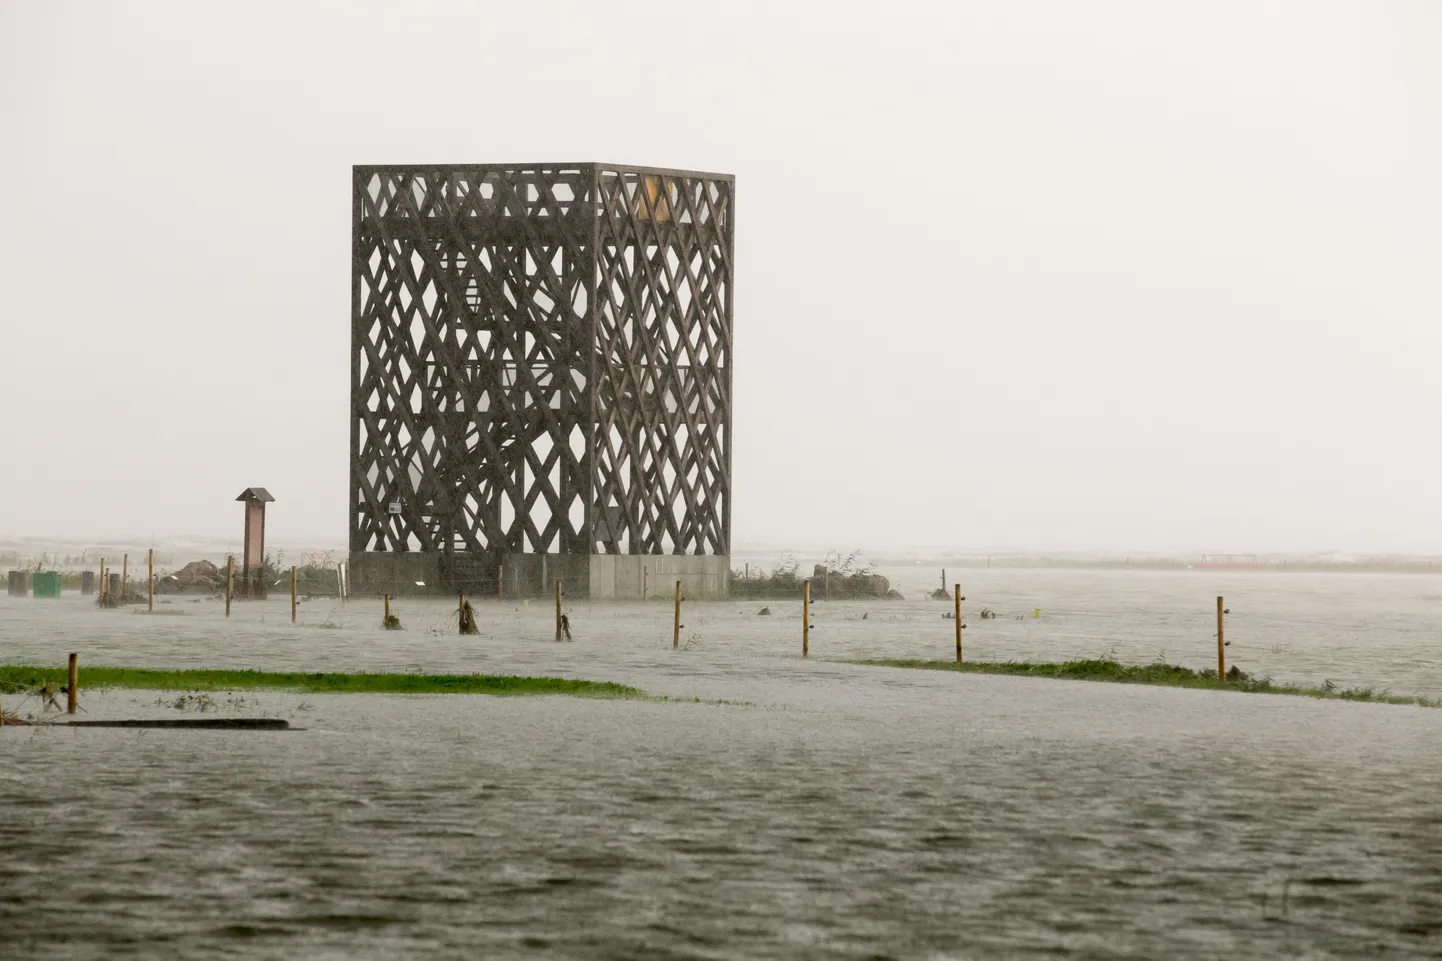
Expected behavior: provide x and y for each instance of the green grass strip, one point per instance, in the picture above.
(21, 677)
(1161, 675)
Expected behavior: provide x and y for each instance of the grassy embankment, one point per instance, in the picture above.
(1162, 675)
(30, 678)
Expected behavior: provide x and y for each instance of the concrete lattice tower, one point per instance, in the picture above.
(541, 378)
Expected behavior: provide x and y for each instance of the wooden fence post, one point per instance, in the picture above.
(124, 577)
(806, 618)
(676, 624)
(558, 609)
(72, 684)
(1221, 644)
(959, 599)
(150, 576)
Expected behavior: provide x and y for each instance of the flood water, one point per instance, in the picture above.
(827, 810)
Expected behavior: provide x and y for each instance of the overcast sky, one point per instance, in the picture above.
(1121, 274)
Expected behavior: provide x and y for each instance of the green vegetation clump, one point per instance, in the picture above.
(1164, 675)
(19, 677)
(782, 581)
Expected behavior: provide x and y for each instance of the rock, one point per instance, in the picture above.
(894, 595)
(197, 577)
(765, 611)
(841, 586)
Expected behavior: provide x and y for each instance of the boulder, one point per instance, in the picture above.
(847, 585)
(197, 577)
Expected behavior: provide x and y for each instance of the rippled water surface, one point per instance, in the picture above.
(827, 810)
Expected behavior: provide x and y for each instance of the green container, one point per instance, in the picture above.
(47, 583)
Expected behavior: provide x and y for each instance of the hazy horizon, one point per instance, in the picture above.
(1109, 277)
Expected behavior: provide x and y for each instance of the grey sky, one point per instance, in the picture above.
(1116, 275)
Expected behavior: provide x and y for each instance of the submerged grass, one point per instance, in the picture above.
(31, 678)
(1163, 675)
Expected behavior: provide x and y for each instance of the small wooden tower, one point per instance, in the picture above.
(252, 571)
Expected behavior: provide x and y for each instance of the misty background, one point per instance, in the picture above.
(1114, 276)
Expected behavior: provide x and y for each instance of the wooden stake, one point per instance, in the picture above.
(229, 582)
(806, 618)
(124, 577)
(676, 624)
(958, 623)
(558, 610)
(292, 594)
(943, 578)
(645, 574)
(102, 578)
(72, 684)
(1221, 645)
(387, 621)
(150, 576)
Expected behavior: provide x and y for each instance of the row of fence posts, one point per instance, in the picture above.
(806, 625)
(342, 577)
(105, 575)
(960, 625)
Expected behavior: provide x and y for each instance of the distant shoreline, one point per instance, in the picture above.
(1154, 564)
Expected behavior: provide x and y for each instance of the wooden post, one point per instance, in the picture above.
(102, 578)
(72, 684)
(339, 585)
(645, 574)
(943, 578)
(292, 594)
(958, 623)
(500, 583)
(1221, 645)
(558, 610)
(229, 581)
(806, 618)
(347, 578)
(676, 624)
(124, 577)
(150, 576)
(387, 621)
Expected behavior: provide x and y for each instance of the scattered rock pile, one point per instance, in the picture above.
(197, 577)
(842, 585)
